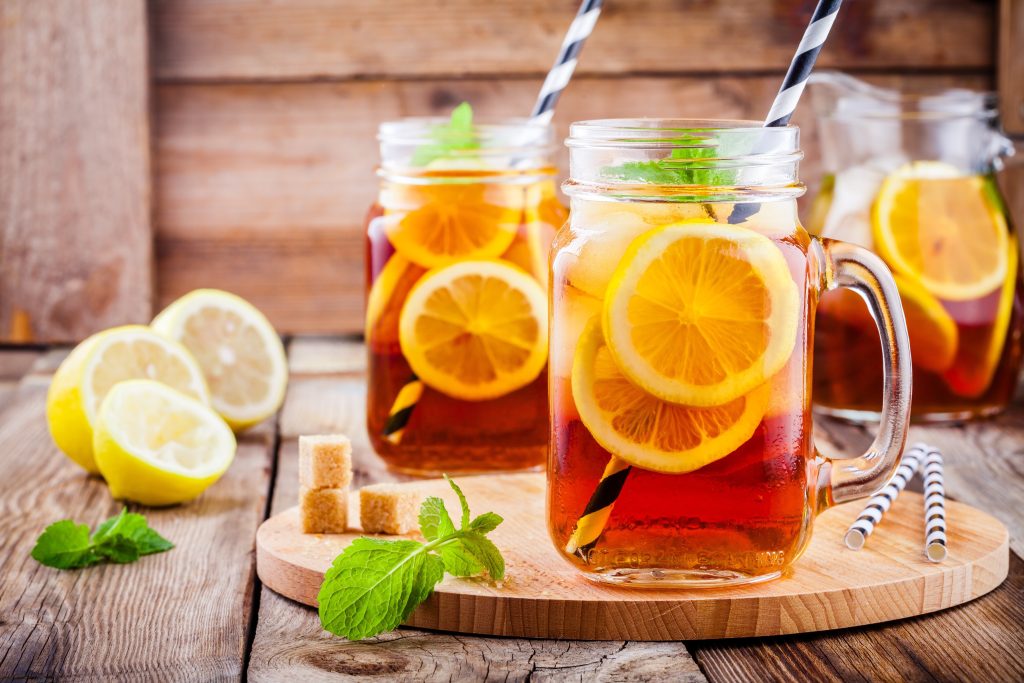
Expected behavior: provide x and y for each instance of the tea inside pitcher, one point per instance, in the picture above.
(912, 178)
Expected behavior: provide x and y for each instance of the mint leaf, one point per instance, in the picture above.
(449, 139)
(434, 519)
(64, 545)
(374, 584)
(678, 168)
(462, 501)
(484, 552)
(486, 523)
(123, 538)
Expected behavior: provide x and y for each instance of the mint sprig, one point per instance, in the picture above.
(678, 168)
(457, 135)
(375, 584)
(123, 538)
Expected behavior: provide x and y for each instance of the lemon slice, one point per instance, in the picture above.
(650, 433)
(937, 226)
(475, 330)
(239, 352)
(157, 446)
(701, 313)
(933, 333)
(384, 303)
(100, 362)
(438, 225)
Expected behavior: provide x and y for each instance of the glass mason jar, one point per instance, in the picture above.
(456, 261)
(911, 177)
(683, 295)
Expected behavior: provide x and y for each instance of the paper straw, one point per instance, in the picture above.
(795, 81)
(934, 507)
(561, 72)
(592, 522)
(879, 504)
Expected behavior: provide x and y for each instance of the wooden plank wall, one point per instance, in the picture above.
(75, 211)
(266, 112)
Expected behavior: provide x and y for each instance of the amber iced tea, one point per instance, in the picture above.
(455, 422)
(682, 304)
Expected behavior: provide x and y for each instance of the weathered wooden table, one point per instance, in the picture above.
(199, 613)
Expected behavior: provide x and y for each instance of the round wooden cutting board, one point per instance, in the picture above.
(544, 597)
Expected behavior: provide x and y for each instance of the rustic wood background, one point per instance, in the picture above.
(264, 117)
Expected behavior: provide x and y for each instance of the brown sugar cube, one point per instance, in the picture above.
(388, 508)
(325, 461)
(323, 511)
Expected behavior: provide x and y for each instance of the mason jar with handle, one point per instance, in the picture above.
(683, 293)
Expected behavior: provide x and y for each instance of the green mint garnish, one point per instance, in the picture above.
(450, 138)
(676, 169)
(123, 538)
(375, 584)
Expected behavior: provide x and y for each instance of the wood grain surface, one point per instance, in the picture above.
(262, 188)
(1011, 65)
(48, 630)
(75, 210)
(255, 39)
(180, 615)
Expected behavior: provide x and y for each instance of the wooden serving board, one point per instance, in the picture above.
(543, 596)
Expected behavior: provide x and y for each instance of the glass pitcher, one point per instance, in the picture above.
(683, 291)
(911, 177)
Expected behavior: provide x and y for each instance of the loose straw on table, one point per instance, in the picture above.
(557, 79)
(881, 502)
(934, 507)
(595, 515)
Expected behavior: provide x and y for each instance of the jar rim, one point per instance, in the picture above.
(661, 133)
(504, 132)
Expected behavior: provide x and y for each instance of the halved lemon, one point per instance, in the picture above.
(387, 295)
(157, 446)
(701, 313)
(438, 225)
(100, 362)
(650, 433)
(475, 330)
(937, 226)
(239, 352)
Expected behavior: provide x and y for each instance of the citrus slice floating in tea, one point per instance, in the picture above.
(240, 353)
(933, 332)
(972, 376)
(438, 225)
(387, 295)
(646, 431)
(475, 330)
(940, 227)
(701, 313)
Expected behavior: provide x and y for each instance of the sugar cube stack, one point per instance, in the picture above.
(325, 474)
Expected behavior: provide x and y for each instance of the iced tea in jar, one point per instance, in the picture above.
(683, 295)
(912, 177)
(456, 321)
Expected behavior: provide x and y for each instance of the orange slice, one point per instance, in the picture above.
(937, 226)
(971, 377)
(475, 330)
(387, 295)
(438, 225)
(933, 333)
(701, 313)
(646, 431)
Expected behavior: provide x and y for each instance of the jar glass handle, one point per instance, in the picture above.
(847, 265)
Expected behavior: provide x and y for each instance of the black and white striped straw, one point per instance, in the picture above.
(934, 507)
(880, 503)
(560, 74)
(803, 63)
